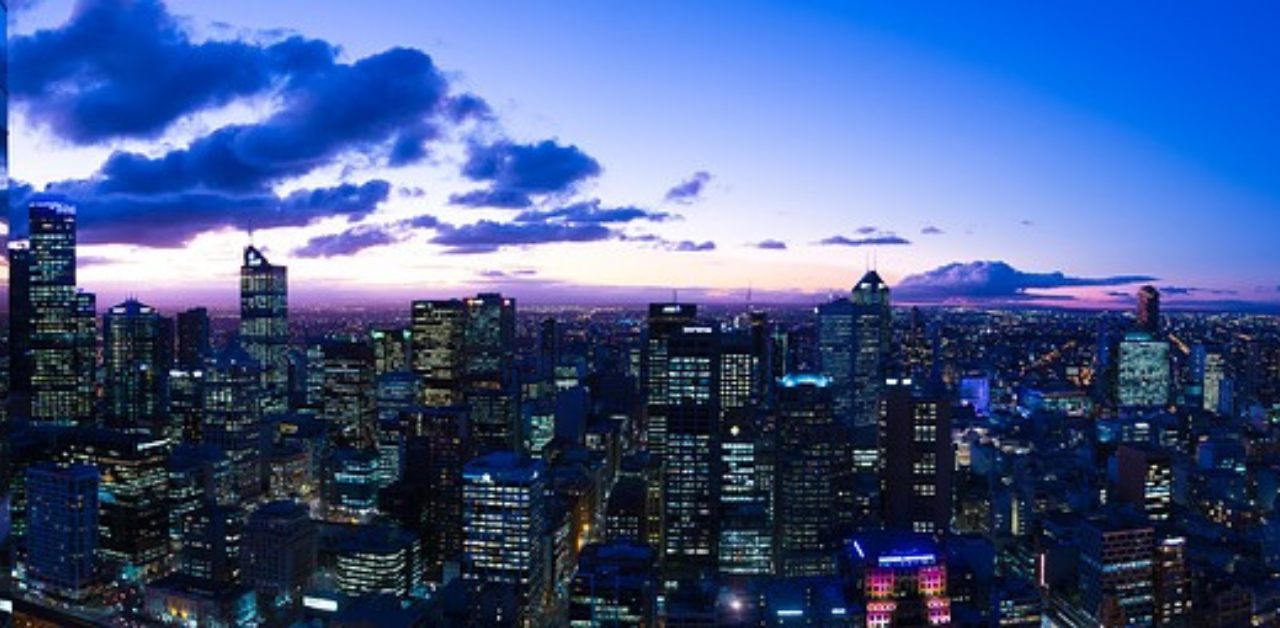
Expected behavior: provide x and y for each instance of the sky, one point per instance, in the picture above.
(575, 151)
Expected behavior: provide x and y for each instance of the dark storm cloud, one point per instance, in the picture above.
(129, 70)
(517, 172)
(690, 190)
(772, 245)
(887, 239)
(591, 212)
(995, 281)
(487, 236)
(173, 219)
(349, 242)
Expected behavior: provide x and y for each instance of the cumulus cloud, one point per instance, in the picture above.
(591, 212)
(931, 230)
(996, 281)
(772, 245)
(689, 190)
(690, 246)
(517, 172)
(487, 236)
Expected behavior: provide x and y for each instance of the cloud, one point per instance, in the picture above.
(1174, 291)
(591, 212)
(487, 236)
(690, 190)
(348, 242)
(866, 230)
(173, 219)
(887, 239)
(517, 172)
(424, 221)
(772, 245)
(931, 230)
(689, 246)
(996, 281)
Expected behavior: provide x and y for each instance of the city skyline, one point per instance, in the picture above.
(991, 163)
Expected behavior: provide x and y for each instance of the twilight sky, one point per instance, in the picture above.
(609, 151)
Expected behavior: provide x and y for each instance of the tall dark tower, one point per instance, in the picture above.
(1148, 313)
(871, 326)
(489, 387)
(916, 460)
(264, 325)
(193, 337)
(812, 459)
(55, 393)
(134, 356)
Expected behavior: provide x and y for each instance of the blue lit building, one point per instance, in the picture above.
(62, 534)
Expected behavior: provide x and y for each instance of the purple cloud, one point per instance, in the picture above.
(517, 172)
(888, 239)
(931, 230)
(591, 212)
(691, 190)
(995, 281)
(772, 245)
(345, 243)
(487, 236)
(689, 246)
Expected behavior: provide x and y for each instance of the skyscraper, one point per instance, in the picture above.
(1145, 478)
(264, 325)
(871, 327)
(917, 461)
(193, 338)
(62, 537)
(436, 338)
(1143, 371)
(506, 549)
(55, 391)
(279, 554)
(1148, 312)
(21, 365)
(489, 387)
(349, 403)
(836, 355)
(135, 366)
(665, 319)
(813, 459)
(1117, 570)
(233, 415)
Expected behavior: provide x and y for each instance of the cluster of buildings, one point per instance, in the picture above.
(469, 465)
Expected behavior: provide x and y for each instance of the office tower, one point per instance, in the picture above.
(210, 543)
(746, 509)
(614, 585)
(684, 375)
(904, 580)
(1148, 312)
(836, 355)
(1117, 570)
(391, 350)
(62, 538)
(198, 475)
(665, 319)
(232, 416)
(489, 387)
(1172, 582)
(378, 560)
(1143, 375)
(193, 338)
(504, 509)
(56, 394)
(133, 520)
(85, 342)
(437, 447)
(353, 478)
(136, 368)
(1145, 479)
(21, 365)
(916, 460)
(348, 400)
(264, 325)
(186, 405)
(813, 461)
(436, 340)
(548, 345)
(278, 555)
(871, 342)
(1208, 369)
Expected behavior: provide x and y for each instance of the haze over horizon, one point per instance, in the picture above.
(1014, 156)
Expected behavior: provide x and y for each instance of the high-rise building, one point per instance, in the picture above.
(136, 366)
(1145, 479)
(57, 368)
(210, 543)
(436, 339)
(349, 402)
(904, 580)
(871, 337)
(133, 519)
(665, 319)
(504, 509)
(746, 509)
(1148, 312)
(279, 554)
(1143, 375)
(1172, 582)
(264, 325)
(391, 350)
(233, 416)
(62, 539)
(437, 447)
(1117, 570)
(489, 387)
(614, 585)
(378, 560)
(1208, 369)
(21, 365)
(836, 354)
(813, 460)
(194, 333)
(684, 402)
(916, 460)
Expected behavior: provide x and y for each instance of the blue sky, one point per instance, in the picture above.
(986, 148)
